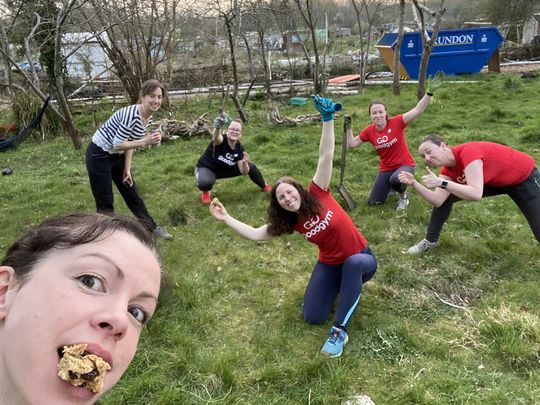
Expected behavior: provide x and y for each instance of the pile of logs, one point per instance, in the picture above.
(173, 129)
(275, 118)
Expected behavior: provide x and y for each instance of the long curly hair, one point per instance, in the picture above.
(281, 221)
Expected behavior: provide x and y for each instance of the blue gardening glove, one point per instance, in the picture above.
(326, 107)
(221, 120)
(434, 82)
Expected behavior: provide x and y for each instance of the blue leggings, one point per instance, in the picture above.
(329, 281)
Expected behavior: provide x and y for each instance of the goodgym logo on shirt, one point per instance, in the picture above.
(228, 158)
(383, 142)
(314, 225)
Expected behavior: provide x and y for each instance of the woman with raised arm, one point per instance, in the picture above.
(345, 261)
(387, 136)
(108, 156)
(75, 294)
(471, 171)
(225, 157)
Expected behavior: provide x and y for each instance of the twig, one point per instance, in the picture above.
(448, 303)
(419, 372)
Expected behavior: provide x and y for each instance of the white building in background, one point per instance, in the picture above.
(89, 60)
(531, 29)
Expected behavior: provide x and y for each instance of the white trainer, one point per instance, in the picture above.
(402, 204)
(422, 246)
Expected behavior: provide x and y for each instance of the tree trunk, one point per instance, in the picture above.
(4, 44)
(67, 122)
(228, 26)
(397, 49)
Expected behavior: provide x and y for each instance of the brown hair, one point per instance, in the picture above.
(373, 102)
(67, 231)
(281, 221)
(433, 138)
(150, 86)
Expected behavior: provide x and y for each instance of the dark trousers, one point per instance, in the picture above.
(387, 181)
(526, 195)
(206, 178)
(104, 169)
(345, 280)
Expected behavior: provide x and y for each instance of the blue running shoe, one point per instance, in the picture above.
(333, 347)
(326, 107)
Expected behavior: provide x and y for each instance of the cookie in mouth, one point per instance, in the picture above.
(82, 369)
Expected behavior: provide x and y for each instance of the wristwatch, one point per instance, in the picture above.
(444, 184)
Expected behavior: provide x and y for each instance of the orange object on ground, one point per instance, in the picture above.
(344, 79)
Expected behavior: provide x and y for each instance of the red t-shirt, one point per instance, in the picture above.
(389, 143)
(333, 231)
(503, 166)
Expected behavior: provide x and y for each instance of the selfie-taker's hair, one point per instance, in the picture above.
(68, 231)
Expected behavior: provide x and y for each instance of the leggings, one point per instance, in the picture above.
(387, 181)
(206, 178)
(329, 281)
(105, 168)
(526, 195)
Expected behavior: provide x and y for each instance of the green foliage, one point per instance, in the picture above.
(512, 83)
(229, 327)
(24, 108)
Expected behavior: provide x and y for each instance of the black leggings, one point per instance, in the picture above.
(206, 178)
(104, 168)
(387, 181)
(526, 195)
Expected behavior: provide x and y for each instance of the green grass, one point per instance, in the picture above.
(229, 327)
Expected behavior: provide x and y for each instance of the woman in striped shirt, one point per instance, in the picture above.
(108, 157)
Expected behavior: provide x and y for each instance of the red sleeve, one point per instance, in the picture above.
(364, 135)
(399, 119)
(316, 190)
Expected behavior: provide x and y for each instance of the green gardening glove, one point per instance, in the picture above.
(434, 82)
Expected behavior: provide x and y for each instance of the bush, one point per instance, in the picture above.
(24, 108)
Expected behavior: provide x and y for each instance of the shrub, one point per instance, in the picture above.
(24, 108)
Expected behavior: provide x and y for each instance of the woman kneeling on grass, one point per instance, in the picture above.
(75, 294)
(469, 172)
(345, 261)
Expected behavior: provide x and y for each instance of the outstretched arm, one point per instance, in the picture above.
(327, 108)
(472, 191)
(323, 175)
(411, 115)
(433, 84)
(219, 212)
(435, 197)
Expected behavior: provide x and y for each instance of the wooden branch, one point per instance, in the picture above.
(448, 303)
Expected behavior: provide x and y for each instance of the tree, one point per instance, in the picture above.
(308, 14)
(137, 35)
(65, 8)
(428, 41)
(260, 18)
(371, 9)
(397, 49)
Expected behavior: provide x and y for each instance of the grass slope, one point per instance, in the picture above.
(229, 327)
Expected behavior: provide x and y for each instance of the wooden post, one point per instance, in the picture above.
(494, 63)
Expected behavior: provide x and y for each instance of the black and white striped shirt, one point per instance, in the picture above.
(124, 125)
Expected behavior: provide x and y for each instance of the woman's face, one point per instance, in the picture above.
(432, 154)
(377, 113)
(152, 101)
(288, 197)
(234, 131)
(100, 293)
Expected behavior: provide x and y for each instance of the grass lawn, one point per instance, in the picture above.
(229, 327)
